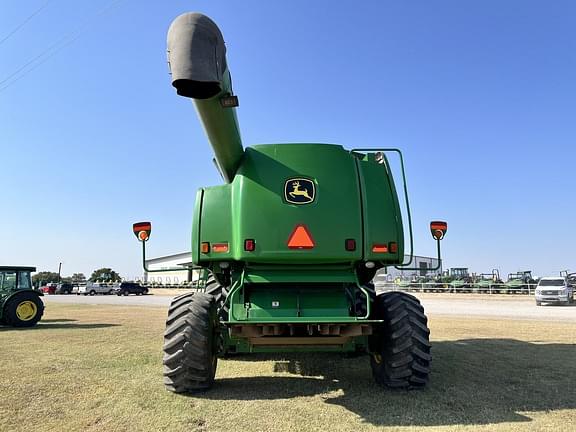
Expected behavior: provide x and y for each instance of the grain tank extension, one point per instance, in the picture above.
(290, 241)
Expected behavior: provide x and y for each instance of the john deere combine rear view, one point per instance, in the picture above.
(291, 243)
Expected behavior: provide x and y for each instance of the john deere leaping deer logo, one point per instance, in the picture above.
(299, 191)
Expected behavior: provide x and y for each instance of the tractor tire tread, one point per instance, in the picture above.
(402, 342)
(189, 358)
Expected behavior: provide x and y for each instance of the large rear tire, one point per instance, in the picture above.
(23, 310)
(220, 293)
(401, 345)
(190, 343)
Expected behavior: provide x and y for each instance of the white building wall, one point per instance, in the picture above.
(170, 277)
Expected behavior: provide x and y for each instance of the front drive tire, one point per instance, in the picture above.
(401, 345)
(23, 310)
(190, 343)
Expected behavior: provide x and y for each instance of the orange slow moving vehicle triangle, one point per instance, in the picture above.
(300, 238)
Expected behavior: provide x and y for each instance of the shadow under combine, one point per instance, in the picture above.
(474, 382)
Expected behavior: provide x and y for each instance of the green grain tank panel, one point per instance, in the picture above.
(354, 198)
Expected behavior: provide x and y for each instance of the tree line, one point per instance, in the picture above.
(104, 274)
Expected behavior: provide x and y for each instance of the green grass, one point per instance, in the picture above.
(98, 368)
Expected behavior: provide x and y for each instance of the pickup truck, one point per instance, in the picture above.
(93, 288)
(554, 290)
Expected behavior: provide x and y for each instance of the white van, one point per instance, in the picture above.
(93, 288)
(554, 290)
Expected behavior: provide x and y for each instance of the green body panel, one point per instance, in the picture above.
(288, 304)
(379, 198)
(355, 199)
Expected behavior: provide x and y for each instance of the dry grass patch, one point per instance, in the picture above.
(98, 368)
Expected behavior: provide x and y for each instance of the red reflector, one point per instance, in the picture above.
(220, 247)
(141, 226)
(393, 247)
(249, 245)
(380, 248)
(300, 238)
(205, 247)
(350, 245)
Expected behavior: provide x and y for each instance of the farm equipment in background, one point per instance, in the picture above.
(456, 279)
(20, 305)
(519, 283)
(290, 243)
(460, 280)
(488, 282)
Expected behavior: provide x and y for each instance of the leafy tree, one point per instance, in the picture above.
(105, 274)
(44, 277)
(78, 278)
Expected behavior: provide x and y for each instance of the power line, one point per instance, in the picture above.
(23, 23)
(53, 49)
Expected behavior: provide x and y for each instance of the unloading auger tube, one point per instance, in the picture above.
(197, 61)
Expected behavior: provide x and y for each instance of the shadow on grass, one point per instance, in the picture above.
(474, 382)
(58, 324)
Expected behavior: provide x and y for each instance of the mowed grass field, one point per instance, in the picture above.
(98, 368)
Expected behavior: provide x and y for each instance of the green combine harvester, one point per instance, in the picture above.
(20, 305)
(290, 243)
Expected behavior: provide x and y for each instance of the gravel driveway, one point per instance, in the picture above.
(510, 307)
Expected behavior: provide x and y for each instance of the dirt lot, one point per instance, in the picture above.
(98, 368)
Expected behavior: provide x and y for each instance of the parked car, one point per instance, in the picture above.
(49, 288)
(554, 290)
(126, 288)
(63, 288)
(93, 288)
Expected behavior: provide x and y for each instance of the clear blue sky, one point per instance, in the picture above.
(480, 96)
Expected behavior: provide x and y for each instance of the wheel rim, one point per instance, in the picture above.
(26, 310)
(377, 358)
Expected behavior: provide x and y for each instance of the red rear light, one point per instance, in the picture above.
(350, 245)
(393, 247)
(249, 245)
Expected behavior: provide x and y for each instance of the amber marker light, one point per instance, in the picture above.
(380, 248)
(205, 247)
(220, 247)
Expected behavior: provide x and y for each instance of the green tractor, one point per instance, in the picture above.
(457, 279)
(289, 244)
(519, 282)
(460, 280)
(488, 283)
(20, 305)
